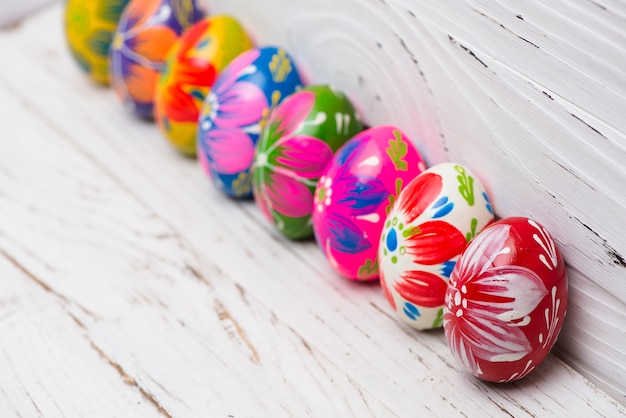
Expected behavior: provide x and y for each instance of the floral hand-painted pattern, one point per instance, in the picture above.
(433, 242)
(426, 230)
(192, 66)
(490, 304)
(179, 99)
(360, 195)
(235, 112)
(147, 30)
(356, 193)
(231, 108)
(285, 169)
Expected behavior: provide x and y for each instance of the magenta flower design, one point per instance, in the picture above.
(288, 162)
(231, 116)
(486, 304)
(356, 195)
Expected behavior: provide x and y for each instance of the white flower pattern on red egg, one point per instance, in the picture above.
(490, 304)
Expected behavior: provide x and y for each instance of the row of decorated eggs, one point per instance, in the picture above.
(500, 294)
(375, 210)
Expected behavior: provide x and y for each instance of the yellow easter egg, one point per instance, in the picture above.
(89, 28)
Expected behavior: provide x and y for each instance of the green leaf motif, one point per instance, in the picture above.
(439, 319)
(368, 269)
(466, 185)
(472, 233)
(397, 150)
(392, 197)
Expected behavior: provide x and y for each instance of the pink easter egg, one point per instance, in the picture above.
(353, 197)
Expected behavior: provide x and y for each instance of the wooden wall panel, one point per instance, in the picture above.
(530, 94)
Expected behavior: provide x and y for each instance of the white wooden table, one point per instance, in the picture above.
(130, 287)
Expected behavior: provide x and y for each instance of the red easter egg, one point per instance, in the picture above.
(506, 300)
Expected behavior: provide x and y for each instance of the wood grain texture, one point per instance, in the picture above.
(188, 302)
(173, 335)
(530, 94)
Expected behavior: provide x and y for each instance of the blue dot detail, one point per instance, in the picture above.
(447, 267)
(392, 240)
(444, 207)
(487, 203)
(411, 311)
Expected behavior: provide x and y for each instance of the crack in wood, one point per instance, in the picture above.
(406, 49)
(503, 409)
(466, 49)
(572, 173)
(305, 344)
(414, 59)
(12, 26)
(239, 333)
(617, 258)
(242, 293)
(129, 380)
(601, 6)
(45, 286)
(382, 311)
(505, 28)
(589, 126)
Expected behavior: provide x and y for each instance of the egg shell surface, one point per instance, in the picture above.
(430, 224)
(146, 31)
(235, 111)
(192, 65)
(506, 300)
(297, 143)
(355, 194)
(89, 28)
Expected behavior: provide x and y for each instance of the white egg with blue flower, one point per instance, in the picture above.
(428, 227)
(235, 110)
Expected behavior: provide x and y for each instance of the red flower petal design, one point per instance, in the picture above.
(419, 194)
(489, 304)
(422, 288)
(435, 242)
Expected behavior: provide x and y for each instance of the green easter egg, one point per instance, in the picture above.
(296, 145)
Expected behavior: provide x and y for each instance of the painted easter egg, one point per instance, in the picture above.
(430, 224)
(235, 110)
(296, 145)
(355, 194)
(146, 31)
(192, 65)
(506, 300)
(89, 28)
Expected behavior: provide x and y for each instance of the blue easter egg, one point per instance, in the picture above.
(234, 112)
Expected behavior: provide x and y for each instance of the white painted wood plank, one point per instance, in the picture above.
(12, 11)
(530, 94)
(49, 366)
(343, 324)
(346, 322)
(165, 322)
